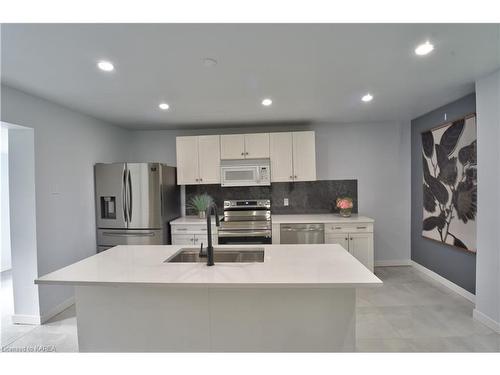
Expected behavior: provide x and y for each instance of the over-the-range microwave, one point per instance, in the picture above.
(248, 172)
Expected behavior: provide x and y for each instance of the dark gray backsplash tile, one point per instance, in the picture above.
(304, 197)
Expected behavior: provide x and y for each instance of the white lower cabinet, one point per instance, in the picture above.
(182, 239)
(358, 240)
(192, 239)
(340, 239)
(361, 248)
(192, 234)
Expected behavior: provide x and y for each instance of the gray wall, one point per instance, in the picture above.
(488, 211)
(375, 154)
(67, 144)
(453, 264)
(23, 222)
(5, 259)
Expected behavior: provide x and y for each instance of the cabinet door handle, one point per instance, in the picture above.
(291, 177)
(338, 227)
(201, 179)
(181, 229)
(347, 239)
(246, 153)
(351, 238)
(242, 153)
(360, 227)
(295, 176)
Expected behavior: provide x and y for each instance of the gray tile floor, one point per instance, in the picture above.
(410, 313)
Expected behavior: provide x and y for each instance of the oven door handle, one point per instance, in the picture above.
(254, 233)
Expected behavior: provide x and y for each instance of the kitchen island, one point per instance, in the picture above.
(300, 298)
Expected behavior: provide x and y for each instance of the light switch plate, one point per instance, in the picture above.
(285, 201)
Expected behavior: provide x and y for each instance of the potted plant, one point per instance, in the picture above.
(199, 203)
(344, 204)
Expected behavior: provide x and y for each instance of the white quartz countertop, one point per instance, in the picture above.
(310, 266)
(186, 220)
(320, 218)
(288, 219)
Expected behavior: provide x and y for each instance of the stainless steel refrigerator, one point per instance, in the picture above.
(134, 203)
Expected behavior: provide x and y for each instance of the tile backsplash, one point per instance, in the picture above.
(303, 197)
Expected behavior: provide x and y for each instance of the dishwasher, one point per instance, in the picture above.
(302, 233)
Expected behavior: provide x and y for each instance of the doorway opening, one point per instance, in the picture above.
(19, 296)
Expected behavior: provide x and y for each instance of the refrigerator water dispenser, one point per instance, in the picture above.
(108, 207)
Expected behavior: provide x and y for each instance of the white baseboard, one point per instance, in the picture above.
(447, 283)
(486, 320)
(40, 319)
(392, 263)
(26, 319)
(58, 309)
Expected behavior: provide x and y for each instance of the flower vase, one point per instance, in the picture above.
(202, 214)
(345, 212)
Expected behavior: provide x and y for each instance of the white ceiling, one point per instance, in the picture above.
(313, 72)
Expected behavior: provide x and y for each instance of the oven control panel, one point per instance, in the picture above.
(258, 203)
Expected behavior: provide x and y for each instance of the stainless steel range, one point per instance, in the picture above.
(246, 222)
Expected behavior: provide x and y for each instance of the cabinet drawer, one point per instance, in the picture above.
(194, 228)
(202, 239)
(182, 239)
(349, 228)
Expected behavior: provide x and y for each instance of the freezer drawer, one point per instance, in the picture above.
(113, 237)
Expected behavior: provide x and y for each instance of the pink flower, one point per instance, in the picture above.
(344, 203)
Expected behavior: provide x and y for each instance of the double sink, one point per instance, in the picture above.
(221, 255)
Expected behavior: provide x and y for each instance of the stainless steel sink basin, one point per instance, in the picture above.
(221, 255)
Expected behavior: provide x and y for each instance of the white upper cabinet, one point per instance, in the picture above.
(187, 160)
(257, 146)
(244, 146)
(293, 156)
(304, 156)
(209, 159)
(198, 160)
(281, 157)
(232, 146)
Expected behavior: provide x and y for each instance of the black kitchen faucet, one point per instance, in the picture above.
(210, 249)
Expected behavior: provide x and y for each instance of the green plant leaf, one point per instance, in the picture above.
(200, 202)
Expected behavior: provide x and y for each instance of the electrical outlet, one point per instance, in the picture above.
(285, 201)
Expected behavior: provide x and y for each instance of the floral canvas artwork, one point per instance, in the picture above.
(450, 183)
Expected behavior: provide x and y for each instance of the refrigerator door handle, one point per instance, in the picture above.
(124, 195)
(130, 196)
(125, 234)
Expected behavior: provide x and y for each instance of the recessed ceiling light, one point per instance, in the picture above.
(163, 106)
(424, 48)
(367, 98)
(209, 62)
(105, 66)
(267, 102)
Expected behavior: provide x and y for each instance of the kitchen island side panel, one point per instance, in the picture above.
(166, 319)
